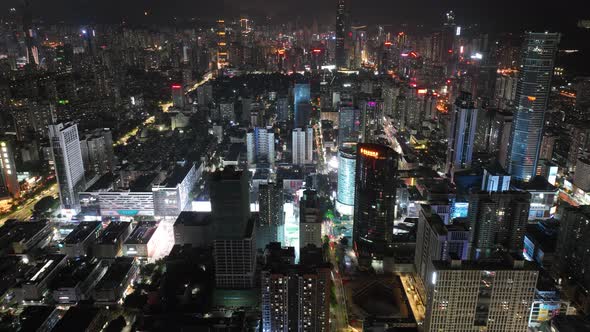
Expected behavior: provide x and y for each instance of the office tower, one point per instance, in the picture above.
(374, 199)
(462, 134)
(349, 121)
(532, 95)
(222, 50)
(495, 179)
(177, 95)
(579, 144)
(582, 175)
(302, 146)
(234, 247)
(9, 186)
(230, 202)
(372, 113)
(389, 93)
(436, 241)
(301, 104)
(310, 220)
(500, 135)
(204, 94)
(282, 106)
(341, 31)
(67, 158)
(505, 89)
(498, 221)
(97, 151)
(489, 295)
(346, 178)
(270, 216)
(260, 146)
(294, 297)
(573, 251)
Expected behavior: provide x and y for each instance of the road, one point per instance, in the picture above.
(411, 293)
(25, 210)
(123, 140)
(340, 315)
(206, 77)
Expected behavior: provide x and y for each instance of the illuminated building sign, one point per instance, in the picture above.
(369, 153)
(176, 86)
(422, 91)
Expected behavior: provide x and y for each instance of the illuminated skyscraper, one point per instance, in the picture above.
(462, 135)
(341, 31)
(67, 158)
(260, 146)
(301, 103)
(222, 53)
(177, 96)
(302, 146)
(374, 200)
(346, 178)
(532, 94)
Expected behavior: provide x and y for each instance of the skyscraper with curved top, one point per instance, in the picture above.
(532, 94)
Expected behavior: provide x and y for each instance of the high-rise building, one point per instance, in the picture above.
(495, 179)
(97, 151)
(462, 134)
(294, 297)
(573, 251)
(498, 221)
(374, 199)
(349, 123)
(69, 165)
(579, 144)
(532, 95)
(177, 95)
(310, 220)
(582, 175)
(8, 181)
(436, 241)
(488, 295)
(260, 146)
(270, 217)
(342, 29)
(222, 46)
(372, 113)
(234, 248)
(302, 146)
(346, 179)
(230, 202)
(301, 105)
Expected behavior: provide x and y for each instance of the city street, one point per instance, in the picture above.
(25, 210)
(411, 293)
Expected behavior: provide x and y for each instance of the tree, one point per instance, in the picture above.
(46, 205)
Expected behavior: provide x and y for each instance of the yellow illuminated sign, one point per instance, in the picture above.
(369, 153)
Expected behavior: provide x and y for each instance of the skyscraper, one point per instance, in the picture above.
(346, 178)
(8, 180)
(341, 31)
(67, 158)
(349, 123)
(462, 135)
(310, 219)
(489, 295)
(177, 95)
(302, 146)
(222, 49)
(301, 103)
(532, 94)
(374, 199)
(271, 220)
(294, 297)
(234, 248)
(498, 221)
(260, 146)
(97, 151)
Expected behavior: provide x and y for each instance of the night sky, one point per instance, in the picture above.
(501, 14)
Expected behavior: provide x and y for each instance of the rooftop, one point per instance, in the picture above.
(142, 233)
(116, 272)
(113, 232)
(82, 231)
(77, 318)
(32, 317)
(44, 267)
(191, 218)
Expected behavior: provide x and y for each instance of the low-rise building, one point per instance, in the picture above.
(110, 243)
(194, 228)
(143, 241)
(44, 272)
(120, 274)
(80, 240)
(76, 280)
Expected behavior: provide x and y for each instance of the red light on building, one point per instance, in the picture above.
(176, 86)
(281, 52)
(413, 85)
(413, 54)
(316, 51)
(450, 51)
(388, 43)
(531, 98)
